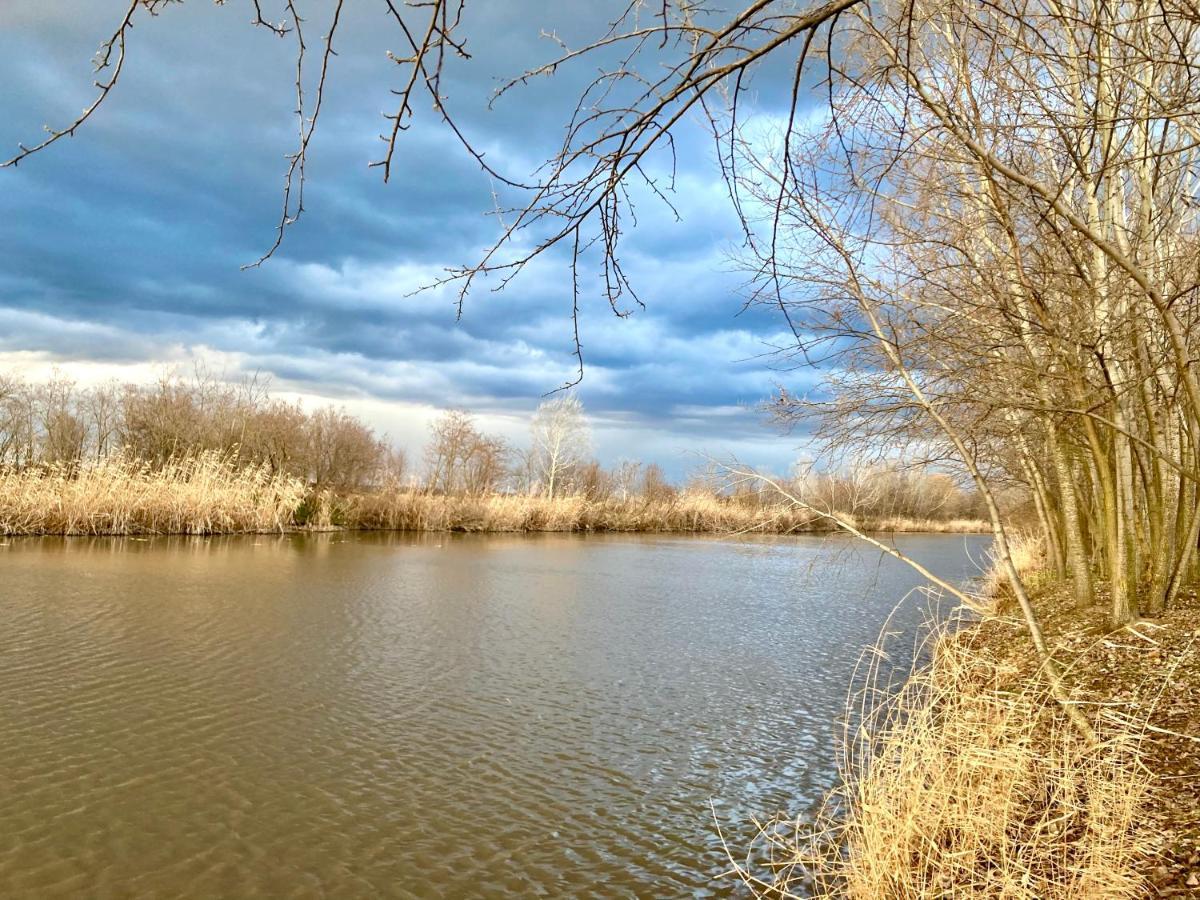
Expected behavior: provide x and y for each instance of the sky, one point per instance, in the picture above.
(121, 249)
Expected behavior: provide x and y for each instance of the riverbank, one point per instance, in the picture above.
(685, 512)
(209, 495)
(970, 781)
(1142, 680)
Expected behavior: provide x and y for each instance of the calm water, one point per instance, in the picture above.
(363, 716)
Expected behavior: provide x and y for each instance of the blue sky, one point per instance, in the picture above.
(121, 248)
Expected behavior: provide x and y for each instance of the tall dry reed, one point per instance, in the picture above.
(687, 511)
(967, 783)
(1028, 554)
(201, 494)
(210, 493)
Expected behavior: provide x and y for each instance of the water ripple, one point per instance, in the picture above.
(384, 716)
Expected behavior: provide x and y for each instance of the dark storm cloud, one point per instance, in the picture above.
(128, 238)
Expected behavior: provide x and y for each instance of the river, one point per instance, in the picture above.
(365, 715)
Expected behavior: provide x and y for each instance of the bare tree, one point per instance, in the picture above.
(593, 482)
(655, 487)
(344, 454)
(62, 430)
(451, 438)
(994, 231)
(17, 432)
(626, 475)
(485, 466)
(459, 459)
(560, 442)
(102, 410)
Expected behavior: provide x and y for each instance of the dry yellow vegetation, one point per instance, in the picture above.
(966, 785)
(971, 781)
(212, 493)
(687, 511)
(201, 494)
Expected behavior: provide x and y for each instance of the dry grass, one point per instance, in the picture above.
(903, 524)
(1028, 555)
(201, 494)
(967, 784)
(209, 494)
(689, 511)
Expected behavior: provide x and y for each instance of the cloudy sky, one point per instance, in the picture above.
(121, 248)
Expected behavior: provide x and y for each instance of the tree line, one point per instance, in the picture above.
(461, 459)
(994, 231)
(60, 423)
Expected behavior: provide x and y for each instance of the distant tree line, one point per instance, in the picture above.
(57, 422)
(461, 459)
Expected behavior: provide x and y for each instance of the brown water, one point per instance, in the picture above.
(364, 716)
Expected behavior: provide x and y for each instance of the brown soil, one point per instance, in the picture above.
(1148, 674)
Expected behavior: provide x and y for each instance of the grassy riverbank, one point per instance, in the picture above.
(209, 494)
(971, 781)
(687, 511)
(201, 494)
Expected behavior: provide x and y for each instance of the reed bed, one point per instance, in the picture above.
(967, 783)
(686, 512)
(205, 493)
(905, 524)
(212, 493)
